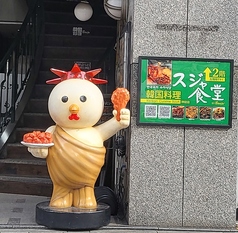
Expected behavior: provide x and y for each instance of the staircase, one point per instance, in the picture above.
(22, 173)
(67, 41)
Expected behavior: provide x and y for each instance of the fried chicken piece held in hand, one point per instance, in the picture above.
(120, 98)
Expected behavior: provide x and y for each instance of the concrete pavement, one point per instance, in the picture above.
(17, 214)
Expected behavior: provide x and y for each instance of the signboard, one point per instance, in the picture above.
(84, 65)
(185, 92)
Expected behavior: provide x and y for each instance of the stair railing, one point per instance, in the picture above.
(19, 68)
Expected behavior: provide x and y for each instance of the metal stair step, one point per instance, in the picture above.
(37, 120)
(65, 52)
(24, 167)
(65, 63)
(37, 105)
(42, 91)
(25, 185)
(77, 41)
(89, 30)
(69, 18)
(16, 150)
(26, 179)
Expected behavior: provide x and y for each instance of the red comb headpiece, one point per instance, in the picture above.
(76, 72)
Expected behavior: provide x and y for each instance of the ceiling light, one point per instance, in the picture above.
(83, 11)
(113, 8)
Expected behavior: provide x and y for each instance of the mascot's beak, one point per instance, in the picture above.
(74, 109)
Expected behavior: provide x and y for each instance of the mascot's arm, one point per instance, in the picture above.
(112, 126)
(51, 129)
(41, 152)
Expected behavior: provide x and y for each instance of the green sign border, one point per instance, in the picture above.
(201, 123)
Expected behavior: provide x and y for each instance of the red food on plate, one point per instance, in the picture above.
(38, 137)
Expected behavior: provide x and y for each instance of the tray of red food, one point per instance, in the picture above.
(37, 139)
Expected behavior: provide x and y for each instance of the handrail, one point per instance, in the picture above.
(18, 69)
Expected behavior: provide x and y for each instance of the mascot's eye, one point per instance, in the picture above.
(83, 98)
(64, 99)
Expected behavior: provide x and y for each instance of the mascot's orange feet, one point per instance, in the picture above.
(62, 202)
(85, 198)
(61, 197)
(81, 198)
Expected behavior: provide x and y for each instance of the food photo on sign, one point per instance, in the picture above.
(159, 73)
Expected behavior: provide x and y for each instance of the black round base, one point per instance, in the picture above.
(72, 218)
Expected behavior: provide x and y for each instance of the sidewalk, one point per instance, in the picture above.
(17, 214)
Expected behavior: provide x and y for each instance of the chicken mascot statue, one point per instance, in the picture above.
(76, 154)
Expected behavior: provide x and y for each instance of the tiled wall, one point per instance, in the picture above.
(183, 177)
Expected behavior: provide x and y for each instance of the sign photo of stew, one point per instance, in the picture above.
(185, 91)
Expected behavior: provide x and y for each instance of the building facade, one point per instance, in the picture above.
(182, 176)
